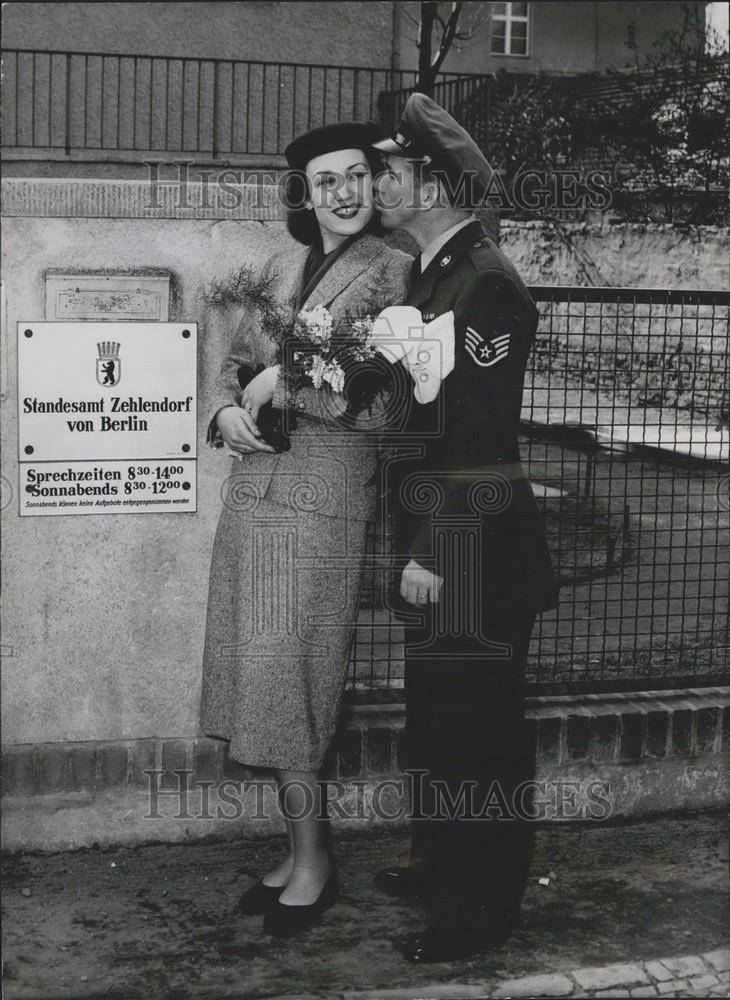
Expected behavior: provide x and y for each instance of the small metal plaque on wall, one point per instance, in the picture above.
(104, 296)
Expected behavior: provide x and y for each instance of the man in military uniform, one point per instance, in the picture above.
(471, 550)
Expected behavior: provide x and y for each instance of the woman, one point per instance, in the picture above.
(288, 554)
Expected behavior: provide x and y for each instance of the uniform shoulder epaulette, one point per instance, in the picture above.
(485, 256)
(490, 263)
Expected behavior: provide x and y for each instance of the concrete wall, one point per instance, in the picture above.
(104, 614)
(566, 37)
(629, 255)
(353, 34)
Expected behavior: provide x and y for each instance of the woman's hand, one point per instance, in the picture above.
(260, 390)
(239, 431)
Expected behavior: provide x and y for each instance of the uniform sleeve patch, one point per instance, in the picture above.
(486, 353)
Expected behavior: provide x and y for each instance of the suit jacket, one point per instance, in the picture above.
(468, 469)
(330, 467)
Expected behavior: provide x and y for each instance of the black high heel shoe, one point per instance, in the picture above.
(259, 898)
(284, 921)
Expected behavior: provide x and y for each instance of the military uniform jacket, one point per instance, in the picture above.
(467, 468)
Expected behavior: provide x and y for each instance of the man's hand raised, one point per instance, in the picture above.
(419, 586)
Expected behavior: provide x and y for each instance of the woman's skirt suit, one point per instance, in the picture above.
(288, 555)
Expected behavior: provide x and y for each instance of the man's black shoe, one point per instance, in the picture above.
(401, 883)
(437, 945)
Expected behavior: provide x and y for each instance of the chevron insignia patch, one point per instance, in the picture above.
(486, 352)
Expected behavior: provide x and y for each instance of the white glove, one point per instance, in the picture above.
(426, 349)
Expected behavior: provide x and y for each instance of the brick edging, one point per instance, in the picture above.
(615, 729)
(642, 725)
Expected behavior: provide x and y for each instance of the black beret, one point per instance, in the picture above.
(328, 138)
(428, 131)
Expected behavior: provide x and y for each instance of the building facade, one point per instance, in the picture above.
(110, 84)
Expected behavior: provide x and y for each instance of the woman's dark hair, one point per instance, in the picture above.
(302, 222)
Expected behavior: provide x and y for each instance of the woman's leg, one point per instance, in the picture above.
(280, 875)
(310, 837)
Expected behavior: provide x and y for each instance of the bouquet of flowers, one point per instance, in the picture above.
(312, 348)
(320, 353)
(357, 362)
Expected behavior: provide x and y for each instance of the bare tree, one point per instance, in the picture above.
(441, 27)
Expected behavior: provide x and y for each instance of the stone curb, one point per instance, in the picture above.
(705, 975)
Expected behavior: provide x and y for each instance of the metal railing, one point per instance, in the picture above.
(467, 98)
(624, 396)
(111, 103)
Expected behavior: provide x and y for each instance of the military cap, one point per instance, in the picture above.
(327, 139)
(427, 131)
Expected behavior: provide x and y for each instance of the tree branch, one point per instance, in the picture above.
(429, 13)
(447, 38)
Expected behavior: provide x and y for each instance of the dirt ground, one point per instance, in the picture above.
(160, 921)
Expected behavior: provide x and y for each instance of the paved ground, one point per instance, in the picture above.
(704, 976)
(638, 909)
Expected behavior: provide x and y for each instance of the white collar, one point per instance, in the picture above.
(431, 249)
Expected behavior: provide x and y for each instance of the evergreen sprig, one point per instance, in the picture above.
(367, 375)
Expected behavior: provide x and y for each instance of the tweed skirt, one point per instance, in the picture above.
(283, 599)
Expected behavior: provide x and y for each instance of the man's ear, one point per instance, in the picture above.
(431, 194)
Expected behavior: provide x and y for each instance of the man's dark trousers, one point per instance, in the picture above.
(465, 736)
(463, 508)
